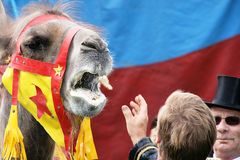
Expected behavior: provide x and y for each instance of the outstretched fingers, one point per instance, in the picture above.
(142, 103)
(135, 107)
(136, 118)
(127, 113)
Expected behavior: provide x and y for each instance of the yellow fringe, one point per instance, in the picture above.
(58, 153)
(13, 147)
(85, 148)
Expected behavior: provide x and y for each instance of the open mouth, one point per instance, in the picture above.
(87, 86)
(88, 81)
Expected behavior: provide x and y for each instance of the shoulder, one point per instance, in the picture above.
(145, 149)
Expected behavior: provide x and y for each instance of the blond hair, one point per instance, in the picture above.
(186, 127)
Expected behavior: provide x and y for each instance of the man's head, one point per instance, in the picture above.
(227, 144)
(225, 108)
(186, 128)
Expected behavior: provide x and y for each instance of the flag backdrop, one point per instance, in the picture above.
(158, 46)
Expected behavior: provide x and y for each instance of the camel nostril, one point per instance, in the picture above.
(90, 44)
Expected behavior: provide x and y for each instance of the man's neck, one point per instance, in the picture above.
(228, 158)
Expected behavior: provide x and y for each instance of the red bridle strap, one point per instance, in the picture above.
(31, 65)
(35, 21)
(56, 85)
(20, 63)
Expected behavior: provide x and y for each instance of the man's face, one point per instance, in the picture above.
(227, 144)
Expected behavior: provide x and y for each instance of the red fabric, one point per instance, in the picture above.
(40, 100)
(195, 72)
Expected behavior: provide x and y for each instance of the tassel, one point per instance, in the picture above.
(59, 153)
(13, 147)
(85, 148)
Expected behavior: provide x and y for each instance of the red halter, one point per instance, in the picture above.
(18, 62)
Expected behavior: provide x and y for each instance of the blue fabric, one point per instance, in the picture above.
(145, 32)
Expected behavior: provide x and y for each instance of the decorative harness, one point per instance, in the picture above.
(48, 107)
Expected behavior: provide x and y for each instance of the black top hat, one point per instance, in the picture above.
(227, 94)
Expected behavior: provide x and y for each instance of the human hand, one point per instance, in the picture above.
(136, 117)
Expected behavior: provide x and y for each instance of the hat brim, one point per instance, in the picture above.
(210, 105)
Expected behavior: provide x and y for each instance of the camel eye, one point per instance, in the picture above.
(37, 43)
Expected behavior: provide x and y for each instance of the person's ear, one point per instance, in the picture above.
(157, 140)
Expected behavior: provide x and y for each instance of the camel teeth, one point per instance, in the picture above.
(105, 82)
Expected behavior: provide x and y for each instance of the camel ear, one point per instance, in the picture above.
(5, 53)
(3, 16)
(4, 40)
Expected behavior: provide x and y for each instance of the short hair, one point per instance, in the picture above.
(186, 127)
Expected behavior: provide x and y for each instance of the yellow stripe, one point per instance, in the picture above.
(144, 150)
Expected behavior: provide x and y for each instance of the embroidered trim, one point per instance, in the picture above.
(144, 150)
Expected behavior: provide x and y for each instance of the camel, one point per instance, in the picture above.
(35, 39)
